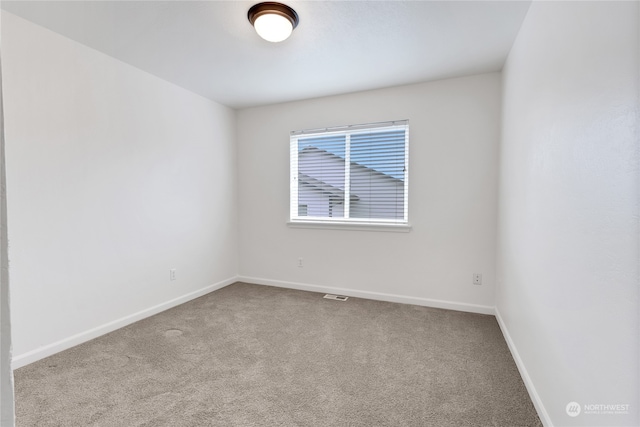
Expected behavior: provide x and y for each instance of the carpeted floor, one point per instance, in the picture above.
(250, 355)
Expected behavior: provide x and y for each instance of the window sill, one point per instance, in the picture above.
(354, 226)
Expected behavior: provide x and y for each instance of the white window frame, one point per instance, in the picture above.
(350, 223)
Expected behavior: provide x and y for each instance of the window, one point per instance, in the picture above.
(353, 174)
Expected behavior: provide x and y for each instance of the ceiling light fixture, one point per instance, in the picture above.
(273, 21)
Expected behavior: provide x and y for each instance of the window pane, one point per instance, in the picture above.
(321, 175)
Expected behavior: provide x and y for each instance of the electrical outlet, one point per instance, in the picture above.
(477, 279)
(172, 274)
(300, 263)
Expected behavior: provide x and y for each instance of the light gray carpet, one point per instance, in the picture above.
(250, 355)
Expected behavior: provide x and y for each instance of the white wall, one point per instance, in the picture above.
(454, 133)
(114, 177)
(567, 290)
(6, 375)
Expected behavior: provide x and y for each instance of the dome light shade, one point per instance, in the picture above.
(272, 27)
(273, 21)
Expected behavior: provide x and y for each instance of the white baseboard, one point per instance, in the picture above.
(533, 394)
(66, 343)
(426, 302)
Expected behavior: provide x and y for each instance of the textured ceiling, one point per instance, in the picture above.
(210, 48)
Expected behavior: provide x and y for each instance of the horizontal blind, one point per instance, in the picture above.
(354, 173)
(377, 174)
(321, 177)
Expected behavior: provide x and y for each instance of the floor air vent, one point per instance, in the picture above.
(336, 297)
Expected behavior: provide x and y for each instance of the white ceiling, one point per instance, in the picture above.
(210, 48)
